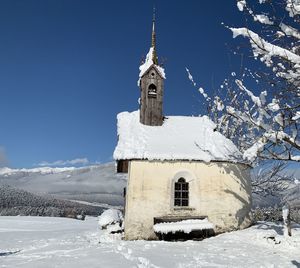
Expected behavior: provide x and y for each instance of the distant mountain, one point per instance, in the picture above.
(97, 184)
(291, 195)
(19, 202)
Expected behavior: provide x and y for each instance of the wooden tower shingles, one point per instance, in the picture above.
(152, 88)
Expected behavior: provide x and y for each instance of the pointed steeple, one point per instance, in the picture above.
(153, 39)
(151, 83)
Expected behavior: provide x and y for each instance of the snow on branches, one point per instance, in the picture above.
(263, 121)
(277, 46)
(293, 7)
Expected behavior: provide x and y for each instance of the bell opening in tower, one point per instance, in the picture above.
(152, 91)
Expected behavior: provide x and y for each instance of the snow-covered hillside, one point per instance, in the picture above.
(19, 202)
(98, 183)
(59, 242)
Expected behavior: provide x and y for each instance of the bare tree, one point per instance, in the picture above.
(259, 110)
(275, 111)
(263, 121)
(271, 179)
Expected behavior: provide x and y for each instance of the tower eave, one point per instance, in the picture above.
(157, 68)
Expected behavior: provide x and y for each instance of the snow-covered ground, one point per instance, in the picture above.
(60, 242)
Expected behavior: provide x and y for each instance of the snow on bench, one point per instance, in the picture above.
(186, 226)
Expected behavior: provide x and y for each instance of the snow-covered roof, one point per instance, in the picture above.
(148, 63)
(179, 138)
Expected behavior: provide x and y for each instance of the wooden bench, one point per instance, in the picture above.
(180, 235)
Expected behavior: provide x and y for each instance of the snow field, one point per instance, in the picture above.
(60, 242)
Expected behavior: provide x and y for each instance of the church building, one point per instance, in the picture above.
(183, 175)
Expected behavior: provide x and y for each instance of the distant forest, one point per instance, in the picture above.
(15, 202)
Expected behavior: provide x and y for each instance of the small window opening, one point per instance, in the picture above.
(122, 166)
(152, 91)
(181, 193)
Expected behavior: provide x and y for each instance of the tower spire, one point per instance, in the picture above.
(153, 39)
(151, 83)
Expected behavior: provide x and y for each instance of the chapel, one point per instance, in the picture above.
(184, 177)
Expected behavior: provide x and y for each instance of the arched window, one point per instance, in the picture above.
(181, 193)
(152, 91)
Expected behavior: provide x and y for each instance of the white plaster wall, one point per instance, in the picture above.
(221, 191)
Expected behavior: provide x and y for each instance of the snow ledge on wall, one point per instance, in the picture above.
(185, 226)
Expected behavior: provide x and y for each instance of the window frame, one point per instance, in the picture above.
(181, 193)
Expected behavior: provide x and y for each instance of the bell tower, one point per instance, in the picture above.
(151, 83)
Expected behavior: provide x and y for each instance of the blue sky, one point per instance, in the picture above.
(68, 67)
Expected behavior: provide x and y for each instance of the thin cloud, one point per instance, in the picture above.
(76, 161)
